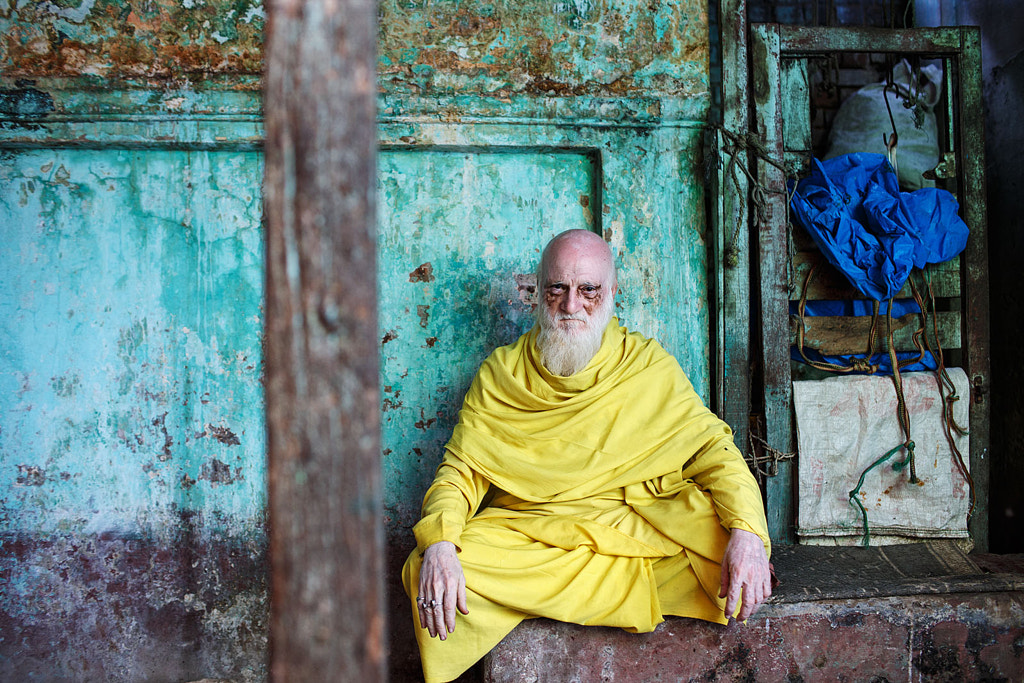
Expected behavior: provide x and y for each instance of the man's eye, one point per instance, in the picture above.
(589, 292)
(556, 289)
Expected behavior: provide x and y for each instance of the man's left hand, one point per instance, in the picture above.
(745, 574)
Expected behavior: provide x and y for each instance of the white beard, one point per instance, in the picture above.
(565, 352)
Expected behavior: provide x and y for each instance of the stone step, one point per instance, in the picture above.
(958, 637)
(917, 614)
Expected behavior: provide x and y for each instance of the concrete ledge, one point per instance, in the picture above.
(956, 637)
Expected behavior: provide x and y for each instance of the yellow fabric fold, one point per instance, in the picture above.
(602, 498)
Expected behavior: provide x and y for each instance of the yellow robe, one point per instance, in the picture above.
(602, 498)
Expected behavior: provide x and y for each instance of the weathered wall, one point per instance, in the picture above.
(131, 440)
(144, 42)
(503, 124)
(923, 638)
(132, 461)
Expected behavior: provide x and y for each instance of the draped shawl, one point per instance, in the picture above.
(601, 498)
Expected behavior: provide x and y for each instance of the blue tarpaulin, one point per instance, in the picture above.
(853, 208)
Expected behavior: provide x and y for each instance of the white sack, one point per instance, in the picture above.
(862, 124)
(846, 423)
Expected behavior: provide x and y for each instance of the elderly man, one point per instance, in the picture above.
(585, 481)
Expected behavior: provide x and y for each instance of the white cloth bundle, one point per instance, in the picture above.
(844, 424)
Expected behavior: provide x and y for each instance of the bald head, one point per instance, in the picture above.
(576, 248)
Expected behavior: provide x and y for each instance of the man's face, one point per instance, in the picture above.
(578, 290)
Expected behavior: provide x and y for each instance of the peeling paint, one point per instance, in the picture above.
(423, 312)
(565, 49)
(423, 273)
(222, 434)
(30, 475)
(25, 101)
(166, 40)
(131, 292)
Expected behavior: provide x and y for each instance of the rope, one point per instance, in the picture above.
(947, 391)
(772, 457)
(867, 365)
(860, 483)
(738, 143)
(864, 365)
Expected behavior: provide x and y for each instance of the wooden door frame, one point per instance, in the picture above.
(769, 44)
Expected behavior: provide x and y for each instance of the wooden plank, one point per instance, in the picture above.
(733, 228)
(839, 335)
(772, 246)
(796, 107)
(971, 166)
(796, 40)
(322, 397)
(829, 283)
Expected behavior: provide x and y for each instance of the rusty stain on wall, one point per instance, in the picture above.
(422, 273)
(560, 49)
(136, 40)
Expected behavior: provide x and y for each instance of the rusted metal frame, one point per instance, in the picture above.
(975, 297)
(773, 240)
(733, 303)
(322, 397)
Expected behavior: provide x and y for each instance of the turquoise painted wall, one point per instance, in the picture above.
(504, 124)
(459, 236)
(132, 461)
(130, 294)
(132, 456)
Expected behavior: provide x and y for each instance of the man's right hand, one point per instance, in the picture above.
(442, 589)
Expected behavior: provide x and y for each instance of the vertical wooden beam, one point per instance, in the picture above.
(765, 48)
(976, 341)
(733, 229)
(326, 539)
(796, 114)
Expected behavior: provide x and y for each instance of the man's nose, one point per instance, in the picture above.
(572, 302)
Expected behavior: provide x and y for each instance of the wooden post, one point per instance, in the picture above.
(326, 538)
(773, 280)
(735, 298)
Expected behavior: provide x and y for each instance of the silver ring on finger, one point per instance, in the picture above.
(433, 603)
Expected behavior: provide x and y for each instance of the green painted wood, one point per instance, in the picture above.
(976, 342)
(773, 238)
(817, 40)
(733, 229)
(796, 107)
